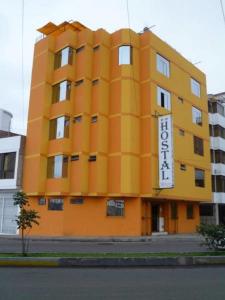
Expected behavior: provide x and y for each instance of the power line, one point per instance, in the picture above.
(222, 8)
(22, 60)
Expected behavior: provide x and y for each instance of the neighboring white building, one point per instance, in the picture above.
(215, 213)
(5, 120)
(11, 160)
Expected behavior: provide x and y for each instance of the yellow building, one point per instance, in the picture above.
(96, 118)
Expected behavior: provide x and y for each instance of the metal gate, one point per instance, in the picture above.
(8, 212)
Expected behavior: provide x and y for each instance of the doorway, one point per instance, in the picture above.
(155, 217)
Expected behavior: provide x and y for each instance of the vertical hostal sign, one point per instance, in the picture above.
(166, 174)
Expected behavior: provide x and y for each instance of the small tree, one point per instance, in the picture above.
(25, 220)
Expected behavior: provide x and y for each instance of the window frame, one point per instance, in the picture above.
(199, 182)
(58, 59)
(55, 125)
(162, 62)
(57, 206)
(166, 99)
(115, 210)
(198, 147)
(173, 211)
(195, 87)
(122, 60)
(54, 169)
(56, 97)
(195, 112)
(8, 165)
(190, 211)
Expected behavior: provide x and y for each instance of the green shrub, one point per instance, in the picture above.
(214, 235)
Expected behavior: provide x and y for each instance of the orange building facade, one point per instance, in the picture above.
(91, 159)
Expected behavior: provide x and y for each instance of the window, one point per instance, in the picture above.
(42, 201)
(181, 100)
(217, 156)
(115, 208)
(61, 91)
(217, 131)
(57, 166)
(94, 82)
(78, 50)
(163, 98)
(77, 119)
(64, 57)
(125, 55)
(96, 47)
(198, 146)
(216, 107)
(163, 65)
(199, 178)
(174, 215)
(206, 210)
(190, 211)
(195, 87)
(94, 119)
(183, 167)
(181, 132)
(59, 128)
(7, 165)
(74, 157)
(79, 82)
(92, 158)
(196, 116)
(76, 201)
(218, 183)
(55, 204)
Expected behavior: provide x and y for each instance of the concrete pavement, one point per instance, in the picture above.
(153, 244)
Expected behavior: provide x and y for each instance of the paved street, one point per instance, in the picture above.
(157, 244)
(137, 284)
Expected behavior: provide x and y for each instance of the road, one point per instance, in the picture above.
(137, 284)
(162, 244)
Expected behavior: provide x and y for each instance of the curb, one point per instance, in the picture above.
(113, 262)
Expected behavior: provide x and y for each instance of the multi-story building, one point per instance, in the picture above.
(101, 108)
(215, 212)
(11, 161)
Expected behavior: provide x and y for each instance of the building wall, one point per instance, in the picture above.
(89, 219)
(13, 144)
(9, 186)
(124, 139)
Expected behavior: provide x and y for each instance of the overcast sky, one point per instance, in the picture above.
(195, 28)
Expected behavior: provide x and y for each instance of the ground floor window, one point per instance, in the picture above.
(55, 204)
(174, 211)
(206, 210)
(115, 207)
(190, 211)
(41, 201)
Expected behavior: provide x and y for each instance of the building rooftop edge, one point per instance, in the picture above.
(50, 27)
(7, 112)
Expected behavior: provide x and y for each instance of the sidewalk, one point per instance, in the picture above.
(157, 237)
(151, 244)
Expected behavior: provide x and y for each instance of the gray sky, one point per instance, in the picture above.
(195, 28)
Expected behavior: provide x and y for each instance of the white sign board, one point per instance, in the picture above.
(166, 172)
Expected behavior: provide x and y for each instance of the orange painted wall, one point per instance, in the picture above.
(89, 219)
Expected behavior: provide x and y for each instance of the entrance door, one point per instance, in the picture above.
(155, 217)
(8, 212)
